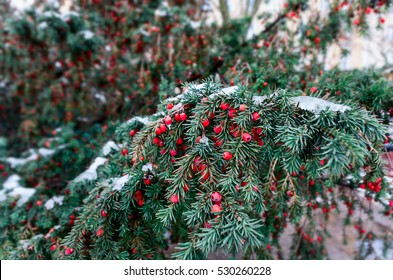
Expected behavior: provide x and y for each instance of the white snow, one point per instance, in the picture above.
(316, 105)
(12, 187)
(144, 120)
(14, 162)
(204, 139)
(108, 147)
(100, 97)
(91, 172)
(34, 155)
(87, 34)
(118, 183)
(148, 167)
(43, 25)
(54, 200)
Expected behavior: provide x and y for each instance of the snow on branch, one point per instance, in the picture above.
(91, 172)
(12, 187)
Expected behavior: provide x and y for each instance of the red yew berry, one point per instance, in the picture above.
(289, 193)
(163, 128)
(124, 152)
(174, 198)
(169, 106)
(132, 133)
(217, 129)
(103, 213)
(224, 106)
(177, 117)
(243, 107)
(317, 40)
(39, 203)
(205, 123)
(311, 183)
(255, 116)
(216, 208)
(246, 137)
(147, 181)
(173, 152)
(69, 251)
(99, 232)
(313, 89)
(183, 116)
(382, 20)
(232, 112)
(53, 247)
(179, 141)
(227, 155)
(168, 120)
(216, 197)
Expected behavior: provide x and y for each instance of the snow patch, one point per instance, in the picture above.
(118, 183)
(144, 120)
(43, 25)
(87, 34)
(54, 200)
(91, 172)
(316, 105)
(148, 167)
(12, 187)
(108, 147)
(14, 162)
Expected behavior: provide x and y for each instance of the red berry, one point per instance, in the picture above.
(173, 153)
(53, 247)
(216, 197)
(174, 198)
(362, 186)
(177, 117)
(132, 133)
(232, 113)
(216, 208)
(163, 128)
(39, 203)
(156, 141)
(313, 89)
(169, 106)
(183, 116)
(168, 120)
(99, 232)
(290, 193)
(243, 107)
(382, 20)
(317, 40)
(224, 106)
(1, 167)
(255, 116)
(311, 183)
(356, 21)
(205, 123)
(391, 203)
(124, 152)
(227, 155)
(179, 141)
(141, 202)
(217, 129)
(246, 137)
(103, 213)
(69, 251)
(368, 10)
(147, 182)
